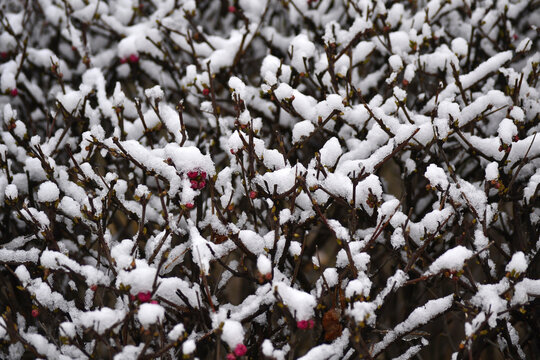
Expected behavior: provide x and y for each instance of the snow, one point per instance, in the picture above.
(492, 171)
(419, 316)
(232, 333)
(200, 251)
(177, 332)
(395, 62)
(300, 304)
(101, 320)
(313, 112)
(525, 288)
(460, 46)
(67, 329)
(48, 192)
(507, 130)
(330, 152)
(453, 259)
(301, 48)
(436, 176)
(518, 264)
(150, 314)
(524, 45)
(301, 130)
(11, 191)
(264, 265)
(358, 287)
(188, 347)
(154, 93)
(140, 279)
(335, 350)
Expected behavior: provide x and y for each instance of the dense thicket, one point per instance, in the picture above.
(326, 179)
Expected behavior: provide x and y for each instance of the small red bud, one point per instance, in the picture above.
(231, 356)
(35, 313)
(133, 58)
(14, 92)
(3, 55)
(144, 296)
(194, 184)
(206, 91)
(515, 138)
(233, 152)
(190, 206)
(232, 9)
(302, 324)
(252, 194)
(240, 350)
(311, 323)
(192, 174)
(93, 287)
(405, 82)
(123, 60)
(153, 302)
(202, 184)
(203, 175)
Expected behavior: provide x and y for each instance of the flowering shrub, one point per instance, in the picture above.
(269, 179)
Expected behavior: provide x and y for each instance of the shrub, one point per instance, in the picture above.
(269, 179)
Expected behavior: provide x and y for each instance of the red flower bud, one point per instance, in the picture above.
(302, 324)
(203, 175)
(206, 91)
(123, 60)
(230, 356)
(93, 287)
(190, 206)
(192, 174)
(144, 296)
(240, 350)
(194, 184)
(14, 92)
(232, 9)
(35, 313)
(202, 184)
(133, 58)
(252, 194)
